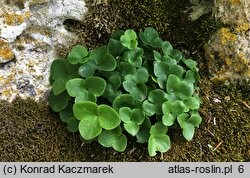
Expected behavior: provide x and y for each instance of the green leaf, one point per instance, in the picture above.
(159, 143)
(192, 103)
(108, 117)
(66, 113)
(75, 87)
(96, 85)
(114, 139)
(131, 127)
(167, 48)
(106, 63)
(87, 69)
(177, 55)
(141, 75)
(176, 70)
(114, 81)
(72, 124)
(195, 120)
(190, 63)
(98, 53)
(148, 108)
(172, 83)
(115, 47)
(184, 90)
(177, 108)
(86, 96)
(61, 69)
(120, 143)
(135, 57)
(77, 54)
(150, 37)
(137, 116)
(168, 119)
(58, 102)
(89, 127)
(126, 68)
(191, 76)
(85, 109)
(143, 133)
(157, 55)
(188, 132)
(158, 129)
(58, 86)
(124, 100)
(129, 39)
(125, 114)
(139, 92)
(182, 119)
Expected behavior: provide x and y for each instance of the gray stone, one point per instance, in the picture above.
(228, 50)
(29, 34)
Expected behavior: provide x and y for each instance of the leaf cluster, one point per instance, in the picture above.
(135, 85)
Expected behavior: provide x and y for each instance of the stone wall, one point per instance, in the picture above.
(228, 51)
(30, 31)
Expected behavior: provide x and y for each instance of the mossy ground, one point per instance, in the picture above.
(31, 132)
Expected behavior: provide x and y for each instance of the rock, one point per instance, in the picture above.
(30, 31)
(228, 50)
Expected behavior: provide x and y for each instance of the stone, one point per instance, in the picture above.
(228, 50)
(30, 31)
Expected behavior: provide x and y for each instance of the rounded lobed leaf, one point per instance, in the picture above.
(148, 108)
(114, 81)
(87, 69)
(157, 96)
(58, 69)
(89, 127)
(126, 68)
(172, 83)
(58, 86)
(190, 63)
(125, 114)
(58, 102)
(77, 54)
(96, 85)
(176, 70)
(184, 90)
(72, 124)
(159, 143)
(167, 48)
(62, 70)
(150, 37)
(188, 131)
(124, 100)
(141, 75)
(131, 127)
(120, 143)
(85, 96)
(106, 63)
(75, 87)
(129, 39)
(108, 117)
(168, 119)
(192, 103)
(139, 92)
(138, 116)
(115, 47)
(67, 113)
(86, 109)
(158, 129)
(177, 108)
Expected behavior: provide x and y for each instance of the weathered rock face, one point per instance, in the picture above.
(228, 51)
(29, 33)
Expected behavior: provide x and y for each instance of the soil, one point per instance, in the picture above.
(30, 131)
